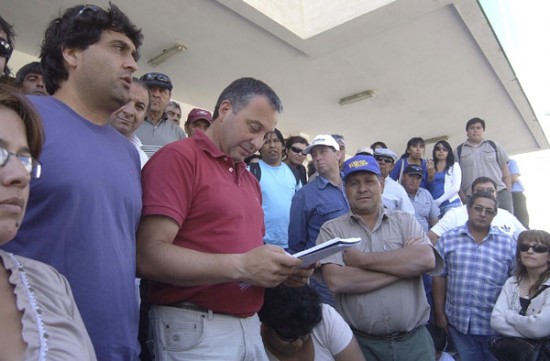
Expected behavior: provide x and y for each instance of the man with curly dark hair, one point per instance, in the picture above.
(85, 208)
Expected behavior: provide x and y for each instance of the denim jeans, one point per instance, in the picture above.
(472, 347)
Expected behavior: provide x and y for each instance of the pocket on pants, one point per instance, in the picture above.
(175, 329)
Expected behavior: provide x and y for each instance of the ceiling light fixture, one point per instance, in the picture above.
(166, 53)
(436, 139)
(357, 97)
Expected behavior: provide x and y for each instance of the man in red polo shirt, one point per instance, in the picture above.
(200, 237)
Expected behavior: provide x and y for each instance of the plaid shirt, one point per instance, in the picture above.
(475, 275)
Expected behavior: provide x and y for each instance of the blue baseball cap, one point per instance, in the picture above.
(361, 163)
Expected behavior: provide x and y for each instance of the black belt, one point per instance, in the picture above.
(190, 306)
(397, 336)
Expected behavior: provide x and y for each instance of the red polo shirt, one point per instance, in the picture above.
(217, 205)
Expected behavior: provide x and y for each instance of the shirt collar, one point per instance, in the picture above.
(206, 145)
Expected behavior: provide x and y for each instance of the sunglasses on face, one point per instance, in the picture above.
(488, 211)
(297, 150)
(5, 49)
(537, 248)
(383, 159)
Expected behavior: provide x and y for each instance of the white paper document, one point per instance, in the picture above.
(323, 250)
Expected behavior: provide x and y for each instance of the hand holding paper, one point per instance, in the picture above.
(323, 250)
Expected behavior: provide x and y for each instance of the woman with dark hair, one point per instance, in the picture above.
(413, 155)
(297, 326)
(523, 307)
(294, 157)
(6, 46)
(40, 320)
(444, 177)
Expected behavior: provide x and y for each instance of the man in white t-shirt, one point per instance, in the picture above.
(504, 220)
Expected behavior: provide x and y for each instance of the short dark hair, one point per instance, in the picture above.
(477, 195)
(13, 99)
(411, 143)
(295, 139)
(142, 84)
(296, 310)
(279, 136)
(30, 68)
(79, 27)
(475, 121)
(483, 180)
(378, 143)
(241, 91)
(10, 34)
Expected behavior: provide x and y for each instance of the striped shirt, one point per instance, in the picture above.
(475, 275)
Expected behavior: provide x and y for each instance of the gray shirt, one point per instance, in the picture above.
(155, 136)
(477, 160)
(399, 307)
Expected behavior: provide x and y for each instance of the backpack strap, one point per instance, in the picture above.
(255, 169)
(494, 146)
(295, 172)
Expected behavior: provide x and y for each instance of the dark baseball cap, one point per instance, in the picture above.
(414, 169)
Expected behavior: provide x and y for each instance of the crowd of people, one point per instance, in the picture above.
(126, 235)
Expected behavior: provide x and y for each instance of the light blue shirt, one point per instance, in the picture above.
(278, 185)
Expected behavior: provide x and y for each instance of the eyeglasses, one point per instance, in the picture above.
(297, 150)
(290, 339)
(155, 76)
(488, 211)
(537, 248)
(31, 165)
(383, 159)
(5, 49)
(488, 190)
(441, 149)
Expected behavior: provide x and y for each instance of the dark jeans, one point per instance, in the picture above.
(472, 347)
(504, 198)
(323, 290)
(520, 208)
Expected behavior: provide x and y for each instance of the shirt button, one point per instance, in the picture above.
(231, 169)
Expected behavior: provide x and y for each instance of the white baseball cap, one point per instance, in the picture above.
(322, 139)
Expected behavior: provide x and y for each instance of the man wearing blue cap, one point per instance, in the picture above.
(377, 283)
(157, 130)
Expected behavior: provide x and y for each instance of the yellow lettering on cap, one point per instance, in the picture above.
(358, 164)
